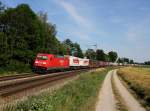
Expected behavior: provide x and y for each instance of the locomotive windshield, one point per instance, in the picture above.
(42, 57)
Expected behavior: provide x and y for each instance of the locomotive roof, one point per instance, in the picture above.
(45, 54)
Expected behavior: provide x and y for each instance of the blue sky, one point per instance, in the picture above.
(118, 25)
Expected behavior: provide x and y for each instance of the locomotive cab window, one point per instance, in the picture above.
(41, 57)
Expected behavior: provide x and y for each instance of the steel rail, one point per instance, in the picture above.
(18, 86)
(5, 78)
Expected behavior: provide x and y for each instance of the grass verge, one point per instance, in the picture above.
(79, 95)
(138, 82)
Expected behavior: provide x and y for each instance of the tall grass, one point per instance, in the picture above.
(138, 80)
(79, 95)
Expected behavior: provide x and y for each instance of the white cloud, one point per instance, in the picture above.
(74, 13)
(86, 29)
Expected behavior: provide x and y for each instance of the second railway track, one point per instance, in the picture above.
(18, 76)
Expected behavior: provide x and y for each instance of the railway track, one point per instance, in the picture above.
(16, 84)
(18, 76)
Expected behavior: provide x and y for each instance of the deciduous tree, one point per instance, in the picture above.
(112, 56)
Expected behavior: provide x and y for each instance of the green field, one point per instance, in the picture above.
(79, 95)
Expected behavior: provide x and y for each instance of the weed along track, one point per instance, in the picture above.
(9, 87)
(66, 94)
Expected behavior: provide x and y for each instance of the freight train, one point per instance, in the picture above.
(50, 62)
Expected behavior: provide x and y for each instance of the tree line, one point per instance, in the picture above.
(23, 34)
(99, 54)
(147, 62)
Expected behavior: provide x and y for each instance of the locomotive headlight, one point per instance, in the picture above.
(36, 62)
(44, 62)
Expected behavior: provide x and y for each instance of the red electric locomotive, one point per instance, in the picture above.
(50, 62)
(45, 62)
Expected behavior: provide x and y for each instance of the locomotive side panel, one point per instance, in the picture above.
(59, 63)
(49, 61)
